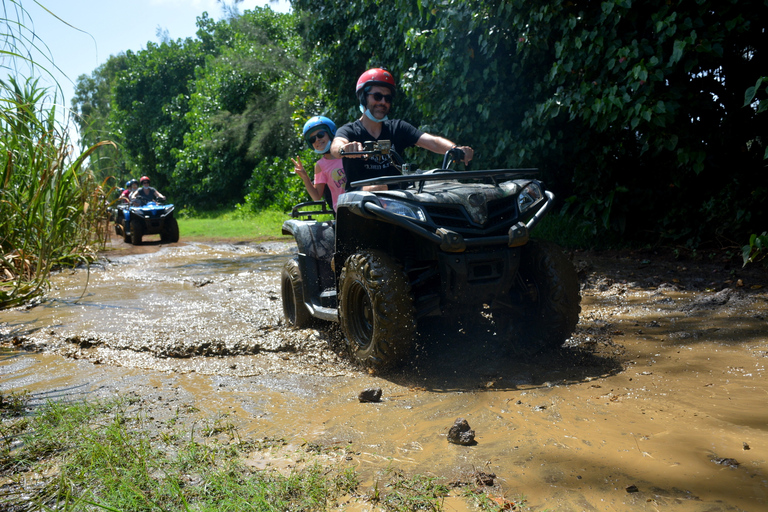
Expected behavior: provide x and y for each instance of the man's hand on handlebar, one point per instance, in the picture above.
(462, 154)
(352, 150)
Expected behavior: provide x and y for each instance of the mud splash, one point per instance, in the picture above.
(657, 402)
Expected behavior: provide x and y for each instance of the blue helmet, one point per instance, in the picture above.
(318, 122)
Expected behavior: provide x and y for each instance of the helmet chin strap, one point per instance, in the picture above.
(370, 116)
(324, 150)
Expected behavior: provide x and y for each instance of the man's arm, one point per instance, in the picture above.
(440, 145)
(434, 143)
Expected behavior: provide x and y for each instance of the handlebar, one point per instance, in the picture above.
(372, 147)
(379, 147)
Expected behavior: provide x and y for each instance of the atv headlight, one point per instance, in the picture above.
(403, 209)
(529, 196)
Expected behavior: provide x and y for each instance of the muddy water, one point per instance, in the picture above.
(659, 402)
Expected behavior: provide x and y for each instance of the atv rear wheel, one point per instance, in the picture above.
(547, 288)
(295, 311)
(170, 233)
(376, 310)
(136, 232)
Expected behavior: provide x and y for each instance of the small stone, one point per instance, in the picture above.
(370, 395)
(461, 433)
(482, 478)
(632, 488)
(745, 446)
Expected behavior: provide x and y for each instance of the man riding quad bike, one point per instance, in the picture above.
(145, 215)
(437, 243)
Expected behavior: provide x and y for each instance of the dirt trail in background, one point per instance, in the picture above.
(658, 401)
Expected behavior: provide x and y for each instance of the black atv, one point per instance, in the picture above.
(446, 243)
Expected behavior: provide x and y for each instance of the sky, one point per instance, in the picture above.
(109, 27)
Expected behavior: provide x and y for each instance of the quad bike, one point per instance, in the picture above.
(149, 219)
(445, 243)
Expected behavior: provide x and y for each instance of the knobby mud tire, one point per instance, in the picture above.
(552, 300)
(294, 310)
(376, 310)
(136, 232)
(171, 231)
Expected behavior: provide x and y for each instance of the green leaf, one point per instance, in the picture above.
(748, 95)
(677, 52)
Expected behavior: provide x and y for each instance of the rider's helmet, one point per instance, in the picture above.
(143, 179)
(313, 123)
(374, 76)
(128, 183)
(134, 181)
(319, 122)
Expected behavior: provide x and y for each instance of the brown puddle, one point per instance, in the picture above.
(658, 402)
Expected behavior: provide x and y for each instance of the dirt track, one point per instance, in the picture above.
(664, 379)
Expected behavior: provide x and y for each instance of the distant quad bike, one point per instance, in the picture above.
(448, 244)
(150, 219)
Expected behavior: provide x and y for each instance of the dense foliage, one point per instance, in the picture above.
(202, 116)
(633, 111)
(647, 119)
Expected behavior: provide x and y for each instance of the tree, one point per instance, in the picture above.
(91, 106)
(240, 112)
(149, 102)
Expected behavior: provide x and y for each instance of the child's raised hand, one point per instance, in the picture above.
(298, 168)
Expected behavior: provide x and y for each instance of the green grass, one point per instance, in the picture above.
(103, 456)
(107, 455)
(232, 225)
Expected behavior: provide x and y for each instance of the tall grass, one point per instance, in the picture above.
(51, 210)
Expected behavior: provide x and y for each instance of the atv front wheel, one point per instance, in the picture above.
(170, 233)
(136, 232)
(376, 310)
(294, 309)
(547, 289)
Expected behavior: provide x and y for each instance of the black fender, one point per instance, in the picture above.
(316, 246)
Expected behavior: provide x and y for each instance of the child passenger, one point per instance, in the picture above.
(329, 173)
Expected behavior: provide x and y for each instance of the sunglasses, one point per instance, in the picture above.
(386, 97)
(319, 135)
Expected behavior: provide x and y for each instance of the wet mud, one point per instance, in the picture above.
(658, 402)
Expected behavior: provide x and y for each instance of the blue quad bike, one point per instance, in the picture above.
(133, 222)
(437, 243)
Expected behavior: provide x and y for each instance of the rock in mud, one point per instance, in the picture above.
(482, 478)
(370, 395)
(726, 461)
(461, 433)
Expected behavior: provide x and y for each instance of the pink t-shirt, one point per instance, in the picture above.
(332, 174)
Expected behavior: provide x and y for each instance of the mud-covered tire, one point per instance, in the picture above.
(376, 310)
(137, 232)
(294, 310)
(551, 300)
(170, 233)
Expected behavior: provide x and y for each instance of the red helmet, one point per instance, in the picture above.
(143, 179)
(374, 76)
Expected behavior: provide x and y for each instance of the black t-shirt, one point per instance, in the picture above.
(145, 197)
(403, 135)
